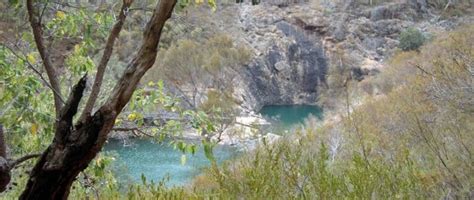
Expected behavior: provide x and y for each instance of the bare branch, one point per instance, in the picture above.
(64, 123)
(114, 33)
(133, 130)
(66, 4)
(89, 183)
(50, 70)
(7, 165)
(3, 144)
(421, 68)
(42, 12)
(18, 161)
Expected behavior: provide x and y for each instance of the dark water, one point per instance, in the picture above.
(159, 160)
(285, 117)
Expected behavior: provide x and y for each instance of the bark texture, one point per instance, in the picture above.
(114, 33)
(4, 168)
(74, 146)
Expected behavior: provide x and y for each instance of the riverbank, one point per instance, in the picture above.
(245, 133)
(161, 161)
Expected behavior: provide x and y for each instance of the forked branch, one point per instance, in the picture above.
(144, 60)
(114, 33)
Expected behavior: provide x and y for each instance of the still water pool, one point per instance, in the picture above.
(160, 160)
(285, 117)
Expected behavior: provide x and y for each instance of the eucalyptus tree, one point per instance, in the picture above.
(79, 135)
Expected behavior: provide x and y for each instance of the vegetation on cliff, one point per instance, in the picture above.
(415, 141)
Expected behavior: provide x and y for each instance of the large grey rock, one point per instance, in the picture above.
(289, 72)
(289, 65)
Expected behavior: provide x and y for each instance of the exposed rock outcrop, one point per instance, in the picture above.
(290, 64)
(293, 45)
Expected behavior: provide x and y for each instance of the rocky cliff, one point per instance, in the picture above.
(290, 63)
(293, 44)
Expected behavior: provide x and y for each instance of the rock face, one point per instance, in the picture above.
(290, 64)
(287, 74)
(294, 45)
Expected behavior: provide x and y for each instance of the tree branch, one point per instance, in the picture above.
(133, 130)
(114, 33)
(29, 65)
(70, 109)
(143, 61)
(64, 123)
(90, 183)
(50, 70)
(18, 161)
(7, 165)
(54, 174)
(3, 144)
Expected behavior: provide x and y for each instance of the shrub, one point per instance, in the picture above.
(415, 142)
(411, 39)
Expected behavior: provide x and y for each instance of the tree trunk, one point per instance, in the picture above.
(69, 154)
(74, 146)
(4, 168)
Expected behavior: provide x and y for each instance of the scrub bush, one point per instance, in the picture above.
(411, 39)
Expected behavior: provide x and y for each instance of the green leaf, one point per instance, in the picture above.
(13, 2)
(208, 151)
(212, 4)
(192, 149)
(183, 159)
(143, 177)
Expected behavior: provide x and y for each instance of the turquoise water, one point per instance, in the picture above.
(160, 160)
(285, 117)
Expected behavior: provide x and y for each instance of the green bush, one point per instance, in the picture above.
(411, 39)
(412, 143)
